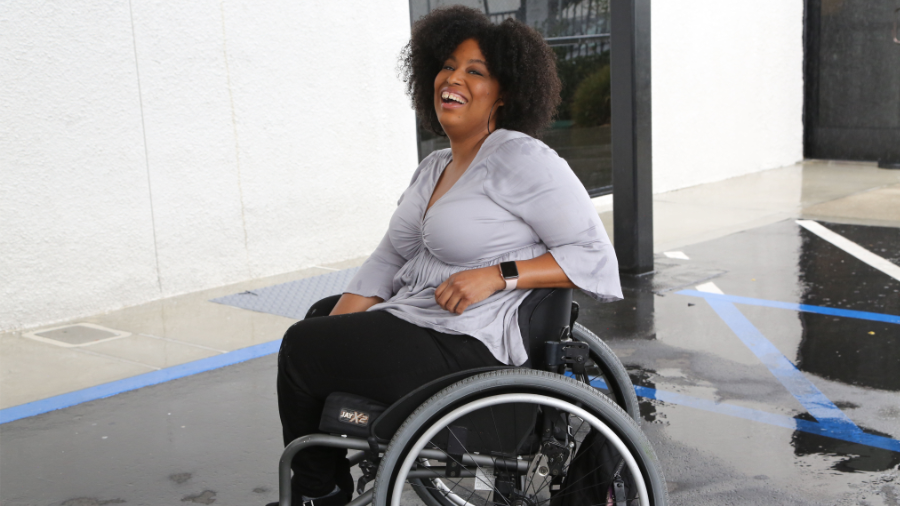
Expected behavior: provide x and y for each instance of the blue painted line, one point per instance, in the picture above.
(139, 381)
(260, 350)
(783, 369)
(828, 430)
(805, 308)
(843, 433)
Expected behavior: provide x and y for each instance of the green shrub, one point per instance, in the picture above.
(571, 72)
(591, 104)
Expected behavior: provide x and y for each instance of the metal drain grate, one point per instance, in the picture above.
(79, 334)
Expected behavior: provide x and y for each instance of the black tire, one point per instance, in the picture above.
(604, 364)
(528, 384)
(614, 373)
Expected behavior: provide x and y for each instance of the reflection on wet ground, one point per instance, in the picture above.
(857, 352)
(687, 349)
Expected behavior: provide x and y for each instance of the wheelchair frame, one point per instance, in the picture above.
(469, 395)
(582, 401)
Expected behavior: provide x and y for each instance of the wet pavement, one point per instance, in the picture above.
(672, 342)
(732, 421)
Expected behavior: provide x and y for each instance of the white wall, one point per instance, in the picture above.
(727, 89)
(149, 149)
(155, 148)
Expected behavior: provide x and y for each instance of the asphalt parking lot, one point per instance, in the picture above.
(767, 363)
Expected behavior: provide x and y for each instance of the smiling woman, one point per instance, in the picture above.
(465, 81)
(480, 225)
(513, 54)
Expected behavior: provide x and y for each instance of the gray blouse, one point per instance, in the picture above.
(517, 200)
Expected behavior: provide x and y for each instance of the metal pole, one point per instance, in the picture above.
(632, 156)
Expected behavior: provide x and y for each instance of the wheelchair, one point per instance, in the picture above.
(510, 436)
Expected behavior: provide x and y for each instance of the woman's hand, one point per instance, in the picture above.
(352, 303)
(465, 288)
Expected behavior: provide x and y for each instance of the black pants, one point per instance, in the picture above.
(373, 354)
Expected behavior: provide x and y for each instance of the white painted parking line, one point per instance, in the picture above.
(676, 254)
(709, 288)
(852, 248)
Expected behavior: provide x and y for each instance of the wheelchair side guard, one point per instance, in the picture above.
(541, 316)
(349, 414)
(384, 427)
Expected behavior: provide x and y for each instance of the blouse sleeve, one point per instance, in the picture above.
(532, 182)
(375, 278)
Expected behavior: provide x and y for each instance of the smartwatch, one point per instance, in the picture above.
(510, 274)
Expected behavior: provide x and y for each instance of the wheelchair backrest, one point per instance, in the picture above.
(543, 315)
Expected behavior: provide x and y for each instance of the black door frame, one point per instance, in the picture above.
(811, 24)
(815, 143)
(632, 135)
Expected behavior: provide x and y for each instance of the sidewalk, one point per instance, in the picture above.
(189, 327)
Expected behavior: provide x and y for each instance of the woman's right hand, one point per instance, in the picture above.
(352, 303)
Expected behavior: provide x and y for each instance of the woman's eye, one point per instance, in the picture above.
(448, 67)
(477, 73)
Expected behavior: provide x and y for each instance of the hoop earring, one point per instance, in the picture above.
(489, 116)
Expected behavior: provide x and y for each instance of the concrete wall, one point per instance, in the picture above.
(149, 149)
(727, 89)
(154, 148)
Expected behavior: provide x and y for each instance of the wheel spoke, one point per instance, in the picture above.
(458, 483)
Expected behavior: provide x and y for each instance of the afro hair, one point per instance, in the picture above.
(517, 57)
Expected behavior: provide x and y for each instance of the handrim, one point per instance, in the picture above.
(543, 400)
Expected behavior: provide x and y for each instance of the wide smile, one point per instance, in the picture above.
(452, 100)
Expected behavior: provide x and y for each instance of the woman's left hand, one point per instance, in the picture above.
(465, 288)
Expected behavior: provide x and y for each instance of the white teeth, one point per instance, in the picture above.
(452, 96)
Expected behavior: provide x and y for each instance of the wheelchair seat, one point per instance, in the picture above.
(542, 317)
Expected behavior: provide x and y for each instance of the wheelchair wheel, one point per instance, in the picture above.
(606, 372)
(512, 437)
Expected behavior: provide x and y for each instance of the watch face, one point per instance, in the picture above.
(509, 270)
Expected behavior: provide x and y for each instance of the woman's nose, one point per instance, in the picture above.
(455, 77)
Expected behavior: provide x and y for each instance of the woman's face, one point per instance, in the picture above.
(465, 93)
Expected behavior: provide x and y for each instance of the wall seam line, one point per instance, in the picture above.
(146, 149)
(237, 147)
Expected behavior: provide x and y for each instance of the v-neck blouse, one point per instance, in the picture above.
(517, 200)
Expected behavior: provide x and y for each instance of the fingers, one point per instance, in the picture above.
(454, 302)
(442, 293)
(448, 294)
(464, 288)
(463, 305)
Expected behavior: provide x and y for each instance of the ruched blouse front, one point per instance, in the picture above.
(517, 200)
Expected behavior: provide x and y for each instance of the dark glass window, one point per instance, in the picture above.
(578, 31)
